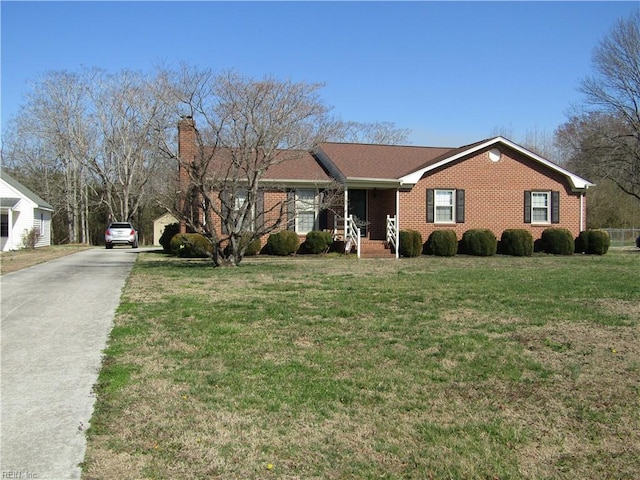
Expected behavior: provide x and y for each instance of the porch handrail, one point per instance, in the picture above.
(392, 231)
(352, 235)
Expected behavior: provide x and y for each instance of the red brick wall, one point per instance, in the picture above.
(494, 194)
(187, 152)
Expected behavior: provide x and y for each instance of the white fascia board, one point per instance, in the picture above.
(577, 182)
(360, 182)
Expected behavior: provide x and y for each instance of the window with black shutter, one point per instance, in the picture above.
(445, 205)
(541, 207)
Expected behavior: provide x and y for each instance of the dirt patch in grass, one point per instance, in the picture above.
(19, 259)
(594, 384)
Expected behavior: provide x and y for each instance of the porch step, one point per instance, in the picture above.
(375, 249)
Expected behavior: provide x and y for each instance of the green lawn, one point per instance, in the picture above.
(333, 368)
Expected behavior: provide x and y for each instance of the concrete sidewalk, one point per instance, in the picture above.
(55, 321)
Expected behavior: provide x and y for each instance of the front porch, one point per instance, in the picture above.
(369, 224)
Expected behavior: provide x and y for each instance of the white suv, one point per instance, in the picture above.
(121, 233)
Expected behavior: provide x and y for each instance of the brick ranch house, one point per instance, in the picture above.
(493, 183)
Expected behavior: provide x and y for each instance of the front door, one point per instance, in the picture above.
(358, 208)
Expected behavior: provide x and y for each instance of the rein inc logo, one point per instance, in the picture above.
(14, 474)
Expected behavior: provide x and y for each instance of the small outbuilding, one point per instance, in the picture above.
(22, 212)
(159, 224)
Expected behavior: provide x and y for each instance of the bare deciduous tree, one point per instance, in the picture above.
(380, 133)
(131, 119)
(49, 142)
(246, 126)
(604, 140)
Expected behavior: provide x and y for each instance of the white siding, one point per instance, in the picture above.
(24, 216)
(42, 223)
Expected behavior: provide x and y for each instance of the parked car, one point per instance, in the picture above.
(120, 233)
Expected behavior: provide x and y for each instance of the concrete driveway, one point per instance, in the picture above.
(56, 318)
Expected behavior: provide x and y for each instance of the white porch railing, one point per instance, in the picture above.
(392, 233)
(352, 235)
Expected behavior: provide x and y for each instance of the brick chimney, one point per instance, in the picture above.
(187, 153)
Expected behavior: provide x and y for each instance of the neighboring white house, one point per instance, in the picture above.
(21, 211)
(159, 224)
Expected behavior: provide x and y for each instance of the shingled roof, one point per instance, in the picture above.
(370, 165)
(365, 161)
(40, 203)
(405, 165)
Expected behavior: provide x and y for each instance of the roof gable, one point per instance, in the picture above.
(577, 182)
(24, 191)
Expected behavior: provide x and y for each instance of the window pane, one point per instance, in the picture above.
(305, 210)
(4, 225)
(444, 197)
(539, 215)
(305, 200)
(444, 205)
(539, 199)
(540, 207)
(239, 199)
(306, 221)
(444, 214)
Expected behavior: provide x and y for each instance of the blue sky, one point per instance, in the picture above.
(452, 72)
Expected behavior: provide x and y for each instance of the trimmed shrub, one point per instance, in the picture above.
(167, 234)
(517, 242)
(594, 242)
(283, 243)
(253, 248)
(480, 242)
(191, 245)
(410, 243)
(558, 241)
(442, 243)
(318, 242)
(582, 242)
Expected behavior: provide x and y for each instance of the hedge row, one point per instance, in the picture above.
(283, 243)
(515, 242)
(443, 243)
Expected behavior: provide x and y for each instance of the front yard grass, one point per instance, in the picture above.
(332, 368)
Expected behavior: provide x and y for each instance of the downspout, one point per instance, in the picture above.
(582, 195)
(11, 233)
(397, 223)
(346, 211)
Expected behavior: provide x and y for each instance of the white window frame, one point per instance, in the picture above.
(239, 199)
(303, 205)
(537, 208)
(451, 206)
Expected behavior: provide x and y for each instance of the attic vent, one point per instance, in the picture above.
(494, 155)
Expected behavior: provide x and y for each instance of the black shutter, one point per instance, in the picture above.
(459, 206)
(225, 199)
(291, 210)
(323, 220)
(527, 207)
(555, 207)
(259, 222)
(430, 206)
